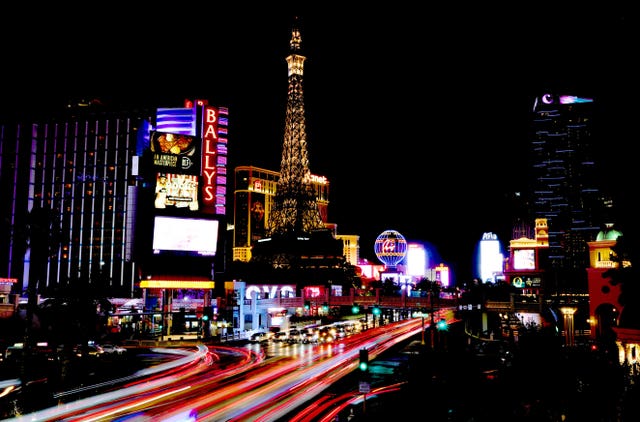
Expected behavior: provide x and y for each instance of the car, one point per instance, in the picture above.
(260, 336)
(281, 336)
(326, 335)
(113, 348)
(294, 336)
(90, 350)
(309, 335)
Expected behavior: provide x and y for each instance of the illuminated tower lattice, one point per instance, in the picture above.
(295, 210)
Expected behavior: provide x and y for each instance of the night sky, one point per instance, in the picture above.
(418, 115)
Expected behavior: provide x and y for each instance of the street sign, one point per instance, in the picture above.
(365, 387)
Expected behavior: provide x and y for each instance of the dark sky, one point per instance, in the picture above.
(418, 115)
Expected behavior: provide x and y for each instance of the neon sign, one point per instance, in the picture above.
(210, 139)
(269, 291)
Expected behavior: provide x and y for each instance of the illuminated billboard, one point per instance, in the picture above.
(524, 259)
(257, 210)
(174, 152)
(177, 191)
(191, 236)
(490, 258)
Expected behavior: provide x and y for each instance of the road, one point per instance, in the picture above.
(203, 386)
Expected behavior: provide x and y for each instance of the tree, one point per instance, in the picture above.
(39, 236)
(389, 288)
(426, 285)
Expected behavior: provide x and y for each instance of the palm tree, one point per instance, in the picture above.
(40, 233)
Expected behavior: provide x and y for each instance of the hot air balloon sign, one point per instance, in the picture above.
(390, 248)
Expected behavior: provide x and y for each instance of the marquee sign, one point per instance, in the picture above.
(269, 291)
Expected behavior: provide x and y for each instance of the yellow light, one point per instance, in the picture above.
(176, 284)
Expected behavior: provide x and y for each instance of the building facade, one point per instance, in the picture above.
(254, 193)
(566, 188)
(69, 186)
(84, 188)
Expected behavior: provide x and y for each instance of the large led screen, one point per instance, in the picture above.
(176, 191)
(257, 216)
(197, 236)
(173, 152)
(524, 259)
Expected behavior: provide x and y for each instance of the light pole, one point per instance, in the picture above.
(421, 315)
(567, 314)
(432, 325)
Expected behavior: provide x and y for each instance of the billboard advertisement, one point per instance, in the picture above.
(257, 217)
(176, 153)
(524, 259)
(176, 191)
(190, 236)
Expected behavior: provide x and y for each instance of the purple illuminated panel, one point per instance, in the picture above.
(176, 120)
(570, 99)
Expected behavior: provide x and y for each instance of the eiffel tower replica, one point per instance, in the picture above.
(297, 241)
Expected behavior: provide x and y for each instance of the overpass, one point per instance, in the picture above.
(357, 297)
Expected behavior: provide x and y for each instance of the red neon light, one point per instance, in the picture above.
(210, 140)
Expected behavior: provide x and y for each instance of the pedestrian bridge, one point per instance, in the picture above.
(365, 301)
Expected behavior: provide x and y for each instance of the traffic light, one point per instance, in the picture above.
(376, 310)
(207, 313)
(307, 305)
(442, 325)
(355, 309)
(325, 307)
(364, 360)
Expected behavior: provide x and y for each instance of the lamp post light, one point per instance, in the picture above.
(567, 314)
(421, 315)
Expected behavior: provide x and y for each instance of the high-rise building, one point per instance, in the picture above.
(74, 184)
(68, 184)
(255, 190)
(566, 191)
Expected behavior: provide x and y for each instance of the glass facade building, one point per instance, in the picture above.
(567, 191)
(69, 185)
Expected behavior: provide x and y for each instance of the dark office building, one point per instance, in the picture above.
(567, 190)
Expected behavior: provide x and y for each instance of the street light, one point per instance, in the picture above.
(567, 315)
(422, 315)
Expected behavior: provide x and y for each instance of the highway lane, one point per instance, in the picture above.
(254, 389)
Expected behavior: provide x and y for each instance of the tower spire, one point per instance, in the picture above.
(295, 209)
